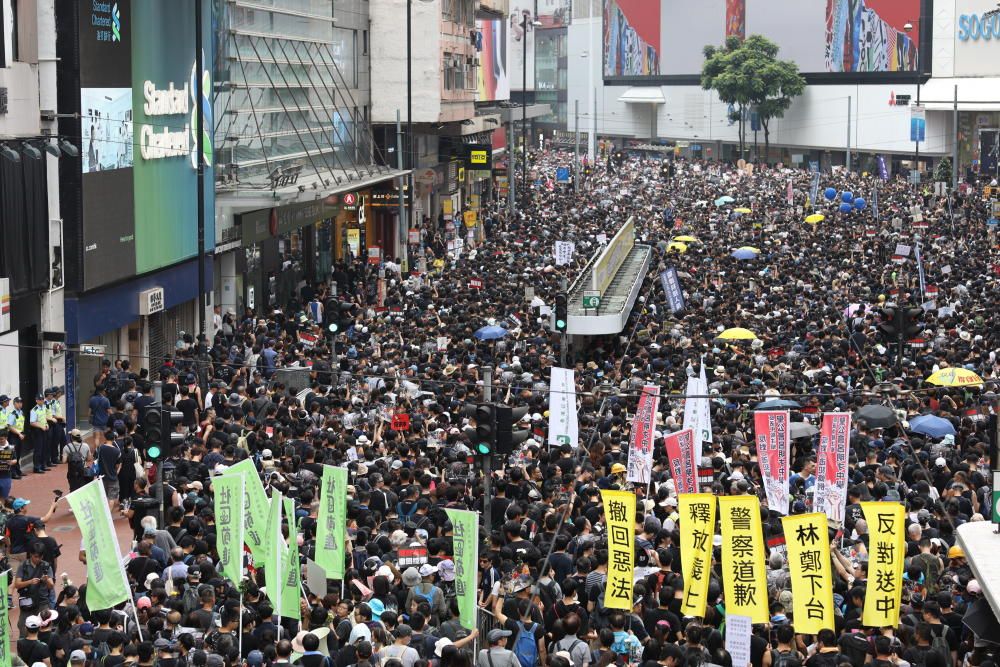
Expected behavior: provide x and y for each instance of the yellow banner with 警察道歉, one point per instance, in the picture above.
(808, 545)
(744, 575)
(886, 551)
(619, 516)
(697, 524)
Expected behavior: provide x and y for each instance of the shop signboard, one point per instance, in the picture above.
(151, 301)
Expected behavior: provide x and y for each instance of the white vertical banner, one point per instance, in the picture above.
(563, 426)
(564, 252)
(698, 412)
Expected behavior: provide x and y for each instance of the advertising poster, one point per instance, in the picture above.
(138, 122)
(661, 38)
(521, 42)
(493, 83)
(554, 13)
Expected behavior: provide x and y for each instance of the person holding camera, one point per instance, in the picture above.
(34, 583)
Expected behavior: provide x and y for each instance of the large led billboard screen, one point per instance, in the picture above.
(139, 95)
(666, 38)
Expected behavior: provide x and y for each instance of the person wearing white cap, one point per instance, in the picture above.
(427, 592)
(29, 648)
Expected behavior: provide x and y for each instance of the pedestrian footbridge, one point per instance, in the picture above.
(601, 298)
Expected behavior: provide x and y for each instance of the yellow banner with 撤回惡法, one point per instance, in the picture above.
(886, 551)
(744, 575)
(619, 517)
(808, 545)
(697, 524)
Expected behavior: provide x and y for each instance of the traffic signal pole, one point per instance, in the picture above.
(488, 460)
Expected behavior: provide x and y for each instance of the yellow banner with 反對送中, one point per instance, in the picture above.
(744, 575)
(886, 551)
(619, 515)
(697, 524)
(808, 545)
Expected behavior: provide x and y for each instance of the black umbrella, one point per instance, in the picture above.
(876, 416)
(982, 621)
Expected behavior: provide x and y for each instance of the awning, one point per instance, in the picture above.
(974, 94)
(643, 95)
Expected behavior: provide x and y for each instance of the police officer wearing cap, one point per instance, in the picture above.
(15, 434)
(5, 413)
(38, 423)
(52, 449)
(58, 426)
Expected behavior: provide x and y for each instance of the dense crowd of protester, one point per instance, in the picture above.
(281, 388)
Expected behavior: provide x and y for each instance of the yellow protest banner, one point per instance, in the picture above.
(744, 575)
(886, 551)
(808, 545)
(619, 515)
(697, 524)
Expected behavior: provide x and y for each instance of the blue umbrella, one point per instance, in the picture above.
(723, 200)
(777, 403)
(743, 254)
(490, 333)
(932, 426)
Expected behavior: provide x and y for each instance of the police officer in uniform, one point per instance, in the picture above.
(38, 423)
(53, 443)
(15, 434)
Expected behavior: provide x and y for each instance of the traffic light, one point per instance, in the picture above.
(152, 429)
(901, 322)
(171, 438)
(486, 425)
(507, 437)
(561, 313)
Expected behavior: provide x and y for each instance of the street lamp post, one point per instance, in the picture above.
(525, 22)
(908, 27)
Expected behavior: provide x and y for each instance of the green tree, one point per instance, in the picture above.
(942, 172)
(749, 75)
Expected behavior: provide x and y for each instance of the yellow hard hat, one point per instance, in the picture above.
(956, 552)
(617, 468)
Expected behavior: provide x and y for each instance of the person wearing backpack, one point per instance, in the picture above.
(578, 650)
(828, 653)
(529, 637)
(427, 592)
(785, 654)
(944, 641)
(79, 460)
(399, 650)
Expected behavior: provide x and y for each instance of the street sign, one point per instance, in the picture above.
(93, 350)
(591, 300)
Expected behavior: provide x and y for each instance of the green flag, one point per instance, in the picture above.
(5, 633)
(465, 546)
(330, 539)
(229, 509)
(291, 570)
(255, 505)
(272, 566)
(106, 582)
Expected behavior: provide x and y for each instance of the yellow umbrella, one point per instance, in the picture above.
(737, 333)
(677, 246)
(954, 377)
(742, 210)
(750, 248)
(686, 239)
(814, 218)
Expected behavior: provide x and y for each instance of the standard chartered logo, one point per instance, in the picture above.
(206, 109)
(116, 24)
(172, 140)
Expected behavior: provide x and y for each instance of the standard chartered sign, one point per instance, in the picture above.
(165, 140)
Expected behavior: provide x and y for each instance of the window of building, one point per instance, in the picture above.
(345, 54)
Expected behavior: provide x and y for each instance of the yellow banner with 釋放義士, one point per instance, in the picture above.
(886, 551)
(619, 515)
(808, 545)
(697, 524)
(744, 575)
